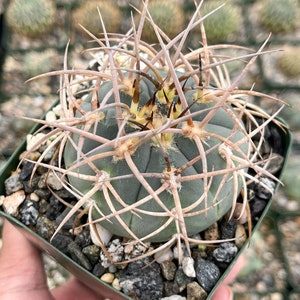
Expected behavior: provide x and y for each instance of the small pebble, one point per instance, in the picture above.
(26, 170)
(13, 184)
(207, 273)
(30, 155)
(143, 279)
(98, 230)
(12, 202)
(195, 292)
(92, 252)
(163, 255)
(116, 284)
(265, 189)
(170, 288)
(50, 179)
(34, 197)
(50, 116)
(212, 233)
(29, 212)
(78, 256)
(168, 269)
(174, 297)
(228, 228)
(45, 227)
(34, 141)
(31, 185)
(225, 252)
(98, 270)
(188, 266)
(61, 242)
(240, 236)
(108, 278)
(181, 279)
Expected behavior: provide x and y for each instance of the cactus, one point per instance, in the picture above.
(168, 15)
(279, 16)
(31, 18)
(224, 23)
(87, 15)
(155, 147)
(288, 62)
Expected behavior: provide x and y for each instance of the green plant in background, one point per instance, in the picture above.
(87, 15)
(42, 62)
(222, 24)
(279, 16)
(288, 62)
(157, 144)
(168, 15)
(31, 18)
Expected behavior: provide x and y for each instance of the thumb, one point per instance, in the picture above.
(21, 267)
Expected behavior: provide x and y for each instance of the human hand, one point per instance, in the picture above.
(223, 292)
(22, 274)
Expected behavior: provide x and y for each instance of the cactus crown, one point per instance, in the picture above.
(153, 142)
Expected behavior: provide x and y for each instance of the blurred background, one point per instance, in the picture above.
(33, 37)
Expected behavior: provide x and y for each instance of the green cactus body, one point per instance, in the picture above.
(169, 17)
(224, 23)
(279, 16)
(288, 62)
(31, 17)
(87, 15)
(157, 170)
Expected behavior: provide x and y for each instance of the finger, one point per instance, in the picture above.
(74, 290)
(241, 262)
(223, 293)
(21, 267)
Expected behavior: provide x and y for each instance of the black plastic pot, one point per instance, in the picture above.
(85, 276)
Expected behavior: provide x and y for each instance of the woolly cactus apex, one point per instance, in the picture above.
(154, 144)
(168, 15)
(224, 23)
(288, 62)
(31, 17)
(279, 16)
(87, 15)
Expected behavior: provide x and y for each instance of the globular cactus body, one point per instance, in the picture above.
(169, 17)
(279, 16)
(158, 159)
(31, 18)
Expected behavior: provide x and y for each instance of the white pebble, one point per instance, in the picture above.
(50, 116)
(1, 200)
(34, 141)
(96, 231)
(174, 297)
(12, 202)
(163, 255)
(116, 284)
(57, 110)
(188, 266)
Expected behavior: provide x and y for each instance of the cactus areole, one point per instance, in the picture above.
(159, 167)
